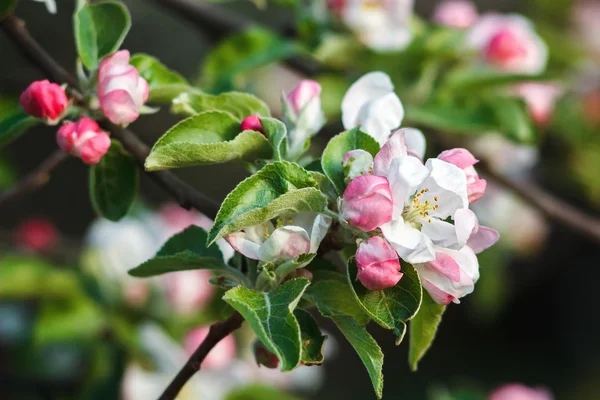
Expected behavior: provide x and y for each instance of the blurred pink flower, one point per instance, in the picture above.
(540, 98)
(37, 234)
(219, 357)
(459, 14)
(517, 391)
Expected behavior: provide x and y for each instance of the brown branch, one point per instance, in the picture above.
(35, 179)
(216, 333)
(186, 196)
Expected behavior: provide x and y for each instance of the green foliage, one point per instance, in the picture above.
(312, 339)
(241, 53)
(277, 134)
(6, 7)
(270, 315)
(513, 119)
(187, 251)
(333, 155)
(14, 125)
(332, 296)
(453, 118)
(390, 307)
(113, 183)
(481, 78)
(422, 329)
(259, 392)
(277, 189)
(8, 175)
(210, 137)
(238, 104)
(99, 30)
(164, 84)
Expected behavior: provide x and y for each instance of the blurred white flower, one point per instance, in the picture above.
(505, 156)
(586, 15)
(459, 14)
(50, 5)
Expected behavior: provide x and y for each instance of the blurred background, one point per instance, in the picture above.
(74, 326)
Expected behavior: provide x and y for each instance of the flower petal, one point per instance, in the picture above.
(380, 116)
(405, 175)
(447, 187)
(316, 225)
(285, 243)
(415, 142)
(244, 245)
(411, 244)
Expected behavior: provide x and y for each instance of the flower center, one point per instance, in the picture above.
(418, 210)
(279, 223)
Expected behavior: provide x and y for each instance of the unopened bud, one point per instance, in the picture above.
(378, 264)
(263, 356)
(83, 139)
(45, 100)
(252, 123)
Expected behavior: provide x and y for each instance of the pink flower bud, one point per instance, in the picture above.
(455, 13)
(252, 123)
(219, 357)
(367, 202)
(516, 391)
(37, 234)
(45, 100)
(83, 139)
(263, 356)
(378, 264)
(305, 92)
(464, 160)
(504, 47)
(121, 90)
(540, 98)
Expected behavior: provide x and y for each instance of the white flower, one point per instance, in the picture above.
(382, 25)
(505, 156)
(293, 236)
(372, 104)
(50, 5)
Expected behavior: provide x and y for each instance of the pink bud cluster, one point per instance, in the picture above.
(83, 139)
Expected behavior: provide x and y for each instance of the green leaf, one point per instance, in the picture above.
(270, 317)
(99, 30)
(333, 296)
(243, 52)
(14, 125)
(512, 116)
(277, 134)
(238, 104)
(312, 339)
(480, 78)
(259, 392)
(186, 251)
(366, 347)
(453, 118)
(279, 188)
(113, 183)
(393, 306)
(337, 148)
(164, 84)
(422, 329)
(208, 138)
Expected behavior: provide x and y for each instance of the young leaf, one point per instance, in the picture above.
(270, 317)
(312, 340)
(279, 188)
(259, 392)
(422, 329)
(336, 150)
(208, 138)
(99, 30)
(238, 104)
(113, 183)
(393, 306)
(186, 251)
(366, 347)
(164, 84)
(478, 78)
(333, 296)
(512, 116)
(14, 125)
(277, 134)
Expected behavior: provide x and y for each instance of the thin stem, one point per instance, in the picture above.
(35, 179)
(217, 332)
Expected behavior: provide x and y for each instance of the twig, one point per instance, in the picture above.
(35, 179)
(185, 194)
(217, 23)
(216, 333)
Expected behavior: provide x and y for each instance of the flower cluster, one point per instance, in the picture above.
(413, 209)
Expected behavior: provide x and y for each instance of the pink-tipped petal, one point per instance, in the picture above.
(378, 264)
(462, 158)
(119, 107)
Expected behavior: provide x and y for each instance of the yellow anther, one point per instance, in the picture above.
(435, 198)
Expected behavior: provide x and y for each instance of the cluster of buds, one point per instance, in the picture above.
(121, 93)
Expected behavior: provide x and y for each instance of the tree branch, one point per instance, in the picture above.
(35, 179)
(216, 333)
(186, 196)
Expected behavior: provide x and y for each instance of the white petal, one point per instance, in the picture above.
(285, 243)
(411, 244)
(380, 116)
(405, 175)
(415, 142)
(465, 222)
(242, 243)
(316, 225)
(395, 147)
(483, 239)
(448, 183)
(442, 233)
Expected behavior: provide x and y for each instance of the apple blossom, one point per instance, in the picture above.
(221, 354)
(586, 15)
(509, 42)
(505, 156)
(83, 139)
(357, 163)
(290, 237)
(264, 356)
(188, 292)
(464, 160)
(540, 98)
(303, 115)
(378, 264)
(45, 100)
(517, 391)
(367, 202)
(251, 123)
(121, 89)
(372, 104)
(459, 14)
(50, 5)
(37, 234)
(382, 25)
